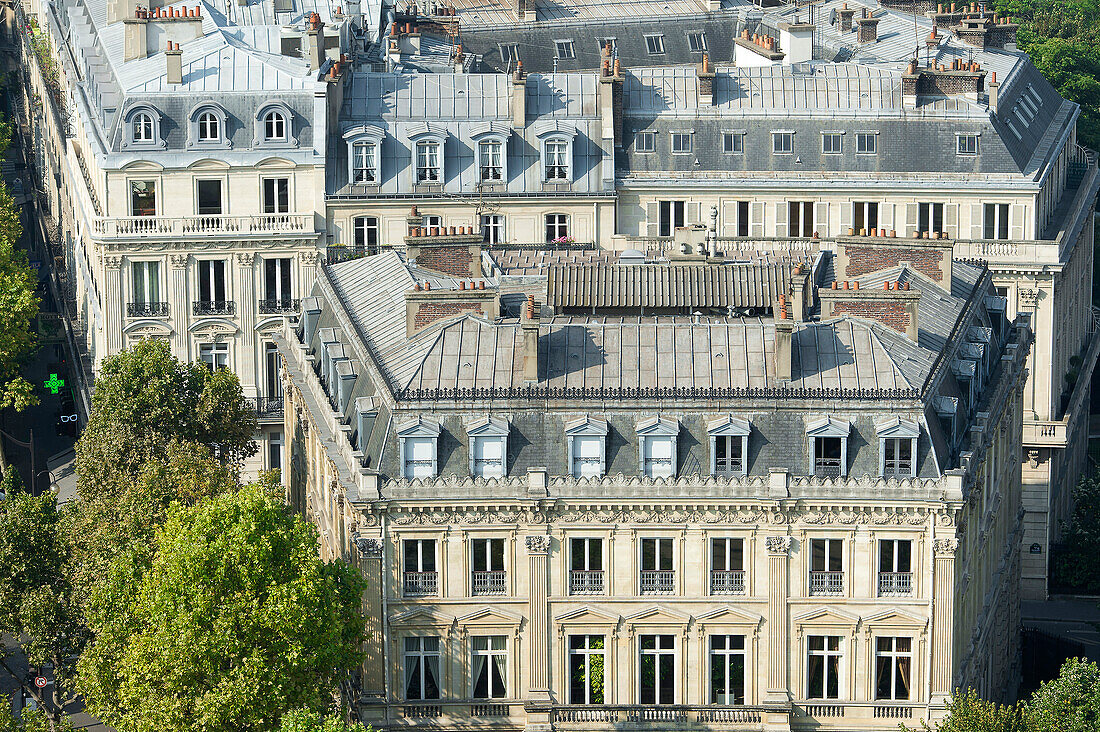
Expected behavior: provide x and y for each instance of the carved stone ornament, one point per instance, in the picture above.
(179, 261)
(945, 547)
(539, 544)
(245, 259)
(112, 262)
(368, 547)
(309, 257)
(778, 544)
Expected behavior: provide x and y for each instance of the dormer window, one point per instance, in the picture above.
(897, 447)
(555, 160)
(491, 155)
(428, 168)
(828, 437)
(364, 164)
(657, 446)
(488, 447)
(729, 441)
(586, 440)
(418, 441)
(275, 126)
(209, 127)
(143, 127)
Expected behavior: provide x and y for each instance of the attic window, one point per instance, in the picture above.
(697, 42)
(655, 45)
(143, 127)
(967, 145)
(564, 49)
(509, 53)
(209, 128)
(608, 41)
(274, 126)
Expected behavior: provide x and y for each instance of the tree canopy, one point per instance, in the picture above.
(229, 621)
(18, 308)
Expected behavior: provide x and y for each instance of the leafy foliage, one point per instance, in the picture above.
(35, 594)
(307, 720)
(228, 623)
(1074, 565)
(968, 712)
(18, 308)
(1063, 39)
(1069, 703)
(31, 720)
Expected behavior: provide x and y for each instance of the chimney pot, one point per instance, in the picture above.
(886, 285)
(427, 286)
(834, 284)
(906, 285)
(481, 285)
(462, 284)
(855, 285)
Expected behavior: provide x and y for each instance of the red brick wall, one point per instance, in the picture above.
(864, 260)
(449, 260)
(429, 312)
(891, 314)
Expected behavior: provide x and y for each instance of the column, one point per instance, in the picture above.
(778, 586)
(113, 308)
(307, 271)
(537, 699)
(248, 304)
(374, 665)
(179, 307)
(943, 612)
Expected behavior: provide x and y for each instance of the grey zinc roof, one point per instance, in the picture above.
(426, 96)
(756, 284)
(536, 261)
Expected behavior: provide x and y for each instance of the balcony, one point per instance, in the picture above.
(269, 406)
(586, 582)
(658, 581)
(224, 225)
(147, 310)
(827, 467)
(660, 717)
(279, 306)
(213, 307)
(826, 583)
(895, 584)
(420, 584)
(488, 583)
(727, 582)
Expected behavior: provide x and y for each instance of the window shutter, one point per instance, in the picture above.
(781, 211)
(951, 219)
(1016, 221)
(652, 219)
(976, 221)
(886, 216)
(476, 446)
(756, 222)
(912, 218)
(821, 219)
(692, 213)
(845, 218)
(728, 226)
(713, 455)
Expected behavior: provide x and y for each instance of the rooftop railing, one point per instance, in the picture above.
(222, 225)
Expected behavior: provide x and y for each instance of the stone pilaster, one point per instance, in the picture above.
(307, 271)
(370, 564)
(943, 615)
(114, 307)
(248, 302)
(179, 307)
(778, 587)
(537, 699)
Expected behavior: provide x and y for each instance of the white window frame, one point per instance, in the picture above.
(200, 126)
(210, 128)
(894, 656)
(557, 165)
(565, 49)
(963, 144)
(586, 651)
(655, 44)
(275, 126)
(733, 428)
(866, 207)
(509, 52)
(144, 128)
(697, 42)
(657, 651)
(726, 654)
(560, 220)
(829, 427)
(588, 428)
(153, 117)
(779, 136)
(150, 275)
(428, 161)
(733, 143)
(651, 430)
(364, 135)
(650, 144)
(837, 137)
(490, 159)
(215, 355)
(364, 162)
(866, 143)
(1002, 214)
(677, 140)
(896, 428)
(493, 228)
(418, 429)
(488, 652)
(361, 228)
(267, 113)
(421, 654)
(826, 654)
(481, 432)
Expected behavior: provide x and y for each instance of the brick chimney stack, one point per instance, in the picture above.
(174, 61)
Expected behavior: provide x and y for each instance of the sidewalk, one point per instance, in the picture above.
(1072, 618)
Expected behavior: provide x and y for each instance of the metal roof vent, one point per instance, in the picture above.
(631, 256)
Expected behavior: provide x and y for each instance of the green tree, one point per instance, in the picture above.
(228, 621)
(18, 308)
(144, 399)
(308, 720)
(1075, 566)
(968, 712)
(1069, 703)
(35, 594)
(30, 720)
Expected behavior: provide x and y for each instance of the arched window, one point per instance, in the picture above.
(143, 129)
(274, 126)
(209, 127)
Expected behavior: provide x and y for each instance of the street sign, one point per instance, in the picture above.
(40, 682)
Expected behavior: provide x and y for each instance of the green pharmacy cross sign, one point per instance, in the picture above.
(54, 384)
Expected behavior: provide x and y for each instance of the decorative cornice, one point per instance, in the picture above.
(650, 393)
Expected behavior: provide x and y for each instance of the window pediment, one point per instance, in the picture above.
(261, 138)
(658, 426)
(586, 425)
(143, 121)
(208, 127)
(487, 427)
(729, 615)
(426, 130)
(728, 426)
(826, 616)
(361, 133)
(895, 618)
(588, 616)
(492, 617)
(490, 130)
(828, 427)
(419, 427)
(549, 128)
(897, 427)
